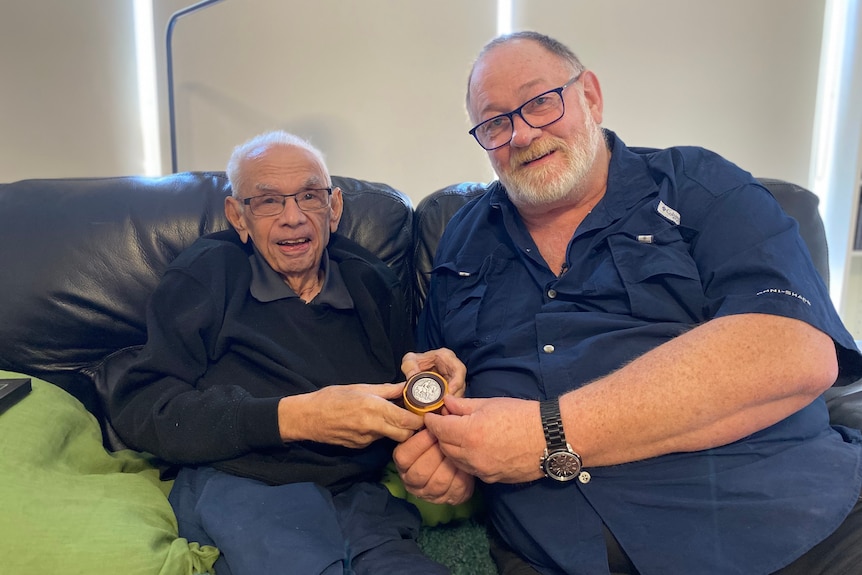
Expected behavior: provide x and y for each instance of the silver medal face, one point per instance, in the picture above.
(426, 390)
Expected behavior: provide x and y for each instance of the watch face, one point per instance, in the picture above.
(562, 465)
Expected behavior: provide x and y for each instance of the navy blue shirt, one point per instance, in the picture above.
(680, 237)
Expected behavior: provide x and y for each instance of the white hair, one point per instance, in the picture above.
(257, 146)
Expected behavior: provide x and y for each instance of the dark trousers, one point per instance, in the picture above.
(298, 528)
(838, 554)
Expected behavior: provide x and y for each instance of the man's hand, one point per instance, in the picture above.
(428, 474)
(497, 439)
(442, 361)
(353, 415)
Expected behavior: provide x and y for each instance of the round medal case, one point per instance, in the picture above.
(424, 392)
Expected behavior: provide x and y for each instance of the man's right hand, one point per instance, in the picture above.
(353, 415)
(427, 473)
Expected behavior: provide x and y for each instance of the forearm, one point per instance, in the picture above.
(719, 382)
(351, 415)
(184, 425)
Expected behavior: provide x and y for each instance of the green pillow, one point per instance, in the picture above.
(68, 506)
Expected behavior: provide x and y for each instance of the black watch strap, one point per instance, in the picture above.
(552, 424)
(559, 462)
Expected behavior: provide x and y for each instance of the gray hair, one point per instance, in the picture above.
(256, 146)
(550, 44)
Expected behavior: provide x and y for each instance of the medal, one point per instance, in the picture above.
(424, 392)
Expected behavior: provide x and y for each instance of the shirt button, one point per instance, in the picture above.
(584, 477)
(552, 293)
(548, 348)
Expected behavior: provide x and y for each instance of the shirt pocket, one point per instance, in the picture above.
(660, 278)
(477, 300)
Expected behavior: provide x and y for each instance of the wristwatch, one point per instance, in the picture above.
(559, 461)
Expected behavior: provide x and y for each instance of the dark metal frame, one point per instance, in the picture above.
(170, 70)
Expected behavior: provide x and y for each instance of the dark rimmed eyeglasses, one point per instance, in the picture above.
(538, 112)
(307, 200)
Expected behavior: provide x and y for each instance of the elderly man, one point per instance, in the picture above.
(646, 341)
(255, 337)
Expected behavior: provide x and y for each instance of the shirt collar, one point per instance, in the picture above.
(630, 178)
(267, 285)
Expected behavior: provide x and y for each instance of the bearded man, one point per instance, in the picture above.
(646, 342)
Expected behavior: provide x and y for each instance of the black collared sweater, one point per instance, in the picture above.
(206, 386)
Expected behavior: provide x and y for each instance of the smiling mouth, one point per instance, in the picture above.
(293, 242)
(536, 159)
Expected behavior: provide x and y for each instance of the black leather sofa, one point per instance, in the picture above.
(79, 258)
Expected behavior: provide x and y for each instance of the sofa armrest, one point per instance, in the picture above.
(845, 405)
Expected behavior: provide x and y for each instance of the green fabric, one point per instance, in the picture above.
(67, 506)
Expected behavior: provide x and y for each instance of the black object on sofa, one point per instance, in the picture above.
(80, 257)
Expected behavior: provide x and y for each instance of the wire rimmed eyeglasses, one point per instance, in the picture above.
(537, 112)
(307, 200)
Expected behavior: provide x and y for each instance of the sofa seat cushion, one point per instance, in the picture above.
(69, 506)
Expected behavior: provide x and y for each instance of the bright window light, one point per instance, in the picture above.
(147, 90)
(504, 16)
(828, 172)
(831, 64)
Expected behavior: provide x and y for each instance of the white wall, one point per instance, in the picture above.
(378, 84)
(68, 95)
(736, 76)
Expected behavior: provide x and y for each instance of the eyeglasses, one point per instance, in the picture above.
(308, 200)
(541, 111)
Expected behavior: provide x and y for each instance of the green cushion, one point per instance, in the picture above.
(68, 506)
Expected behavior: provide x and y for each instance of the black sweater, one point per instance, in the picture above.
(205, 388)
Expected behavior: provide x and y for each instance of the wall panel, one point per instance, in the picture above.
(377, 85)
(736, 76)
(68, 89)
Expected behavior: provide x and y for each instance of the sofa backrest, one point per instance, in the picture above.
(80, 257)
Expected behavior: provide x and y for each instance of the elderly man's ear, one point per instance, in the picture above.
(337, 206)
(233, 211)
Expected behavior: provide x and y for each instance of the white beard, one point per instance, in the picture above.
(547, 185)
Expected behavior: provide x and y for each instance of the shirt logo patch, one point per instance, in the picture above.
(785, 292)
(668, 212)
